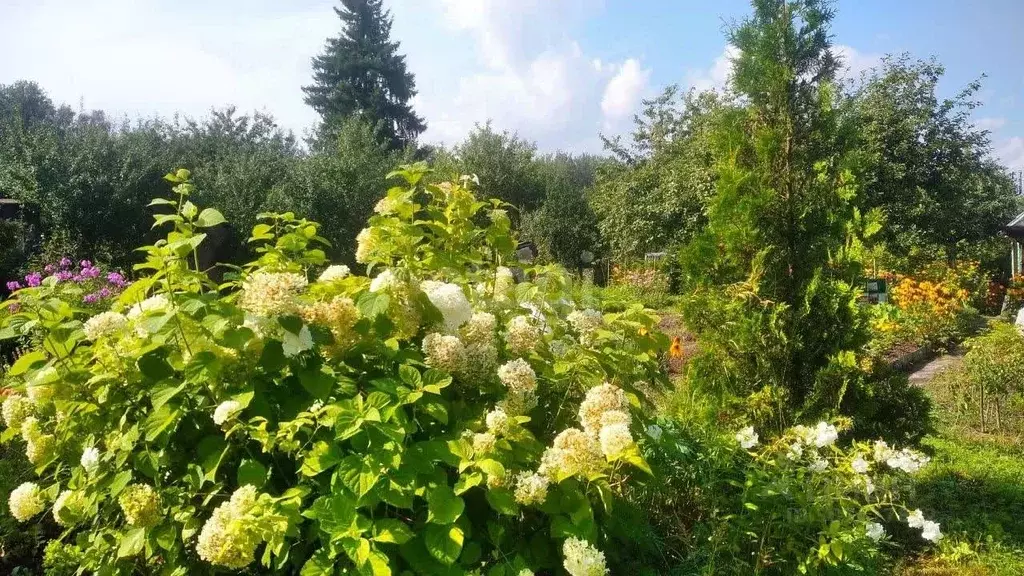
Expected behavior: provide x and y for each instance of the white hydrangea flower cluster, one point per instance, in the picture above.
(339, 314)
(141, 505)
(860, 465)
(334, 273)
(230, 537)
(480, 328)
(156, 303)
(585, 323)
(40, 389)
(598, 400)
(929, 530)
(573, 452)
(104, 324)
(270, 294)
(747, 438)
(68, 508)
(531, 488)
(582, 559)
(525, 572)
(504, 283)
(615, 439)
(225, 411)
(498, 422)
(444, 352)
(518, 377)
(384, 281)
(15, 409)
(26, 501)
(874, 531)
(451, 301)
(483, 442)
(90, 460)
(367, 245)
(38, 446)
(522, 335)
(818, 464)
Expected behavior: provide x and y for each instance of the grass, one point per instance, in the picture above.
(975, 488)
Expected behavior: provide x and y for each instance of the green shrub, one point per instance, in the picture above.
(991, 390)
(423, 421)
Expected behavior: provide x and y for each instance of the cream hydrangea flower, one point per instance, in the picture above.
(15, 409)
(225, 411)
(819, 464)
(68, 508)
(367, 245)
(518, 402)
(104, 324)
(498, 422)
(90, 460)
(333, 273)
(384, 281)
(573, 452)
(451, 301)
(875, 531)
(930, 531)
(444, 352)
(140, 504)
(481, 358)
(230, 537)
(483, 442)
(598, 400)
(907, 460)
(582, 559)
(38, 446)
(480, 328)
(504, 283)
(531, 488)
(585, 322)
(522, 335)
(518, 376)
(859, 465)
(915, 519)
(26, 501)
(155, 303)
(747, 438)
(270, 294)
(525, 572)
(339, 314)
(615, 439)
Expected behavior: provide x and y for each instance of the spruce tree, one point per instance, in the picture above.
(772, 278)
(361, 74)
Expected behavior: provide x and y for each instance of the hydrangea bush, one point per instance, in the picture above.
(433, 417)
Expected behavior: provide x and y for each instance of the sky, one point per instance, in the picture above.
(557, 72)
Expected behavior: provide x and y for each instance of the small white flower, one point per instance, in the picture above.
(497, 421)
(383, 281)
(104, 324)
(818, 465)
(90, 460)
(859, 465)
(747, 438)
(930, 531)
(582, 559)
(796, 450)
(654, 431)
(915, 519)
(225, 411)
(875, 531)
(869, 486)
(825, 434)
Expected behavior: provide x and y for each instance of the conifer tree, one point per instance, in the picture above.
(361, 74)
(772, 277)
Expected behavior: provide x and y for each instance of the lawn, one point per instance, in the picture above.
(975, 488)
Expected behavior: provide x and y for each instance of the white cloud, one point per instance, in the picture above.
(623, 93)
(854, 62)
(989, 123)
(717, 76)
(1011, 152)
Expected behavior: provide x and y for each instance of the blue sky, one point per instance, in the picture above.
(556, 71)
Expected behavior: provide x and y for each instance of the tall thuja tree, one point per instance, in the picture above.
(771, 277)
(361, 74)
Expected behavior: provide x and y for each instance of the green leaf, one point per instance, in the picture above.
(443, 505)
(251, 472)
(211, 451)
(25, 362)
(371, 304)
(436, 409)
(316, 381)
(503, 501)
(132, 543)
(392, 531)
(334, 513)
(210, 217)
(358, 475)
(154, 367)
(410, 376)
(321, 563)
(272, 358)
(160, 420)
(162, 394)
(119, 482)
(321, 457)
(444, 543)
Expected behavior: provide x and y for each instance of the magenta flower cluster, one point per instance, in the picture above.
(85, 274)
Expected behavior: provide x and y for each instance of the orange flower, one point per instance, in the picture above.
(676, 350)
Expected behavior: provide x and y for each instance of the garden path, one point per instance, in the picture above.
(933, 368)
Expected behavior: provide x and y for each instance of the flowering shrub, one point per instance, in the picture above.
(435, 419)
(83, 284)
